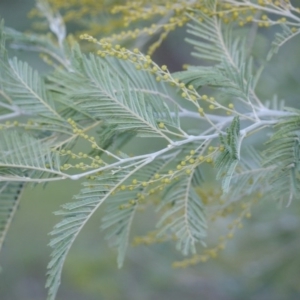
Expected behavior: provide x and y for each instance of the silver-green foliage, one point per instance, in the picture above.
(227, 160)
(10, 194)
(284, 153)
(107, 103)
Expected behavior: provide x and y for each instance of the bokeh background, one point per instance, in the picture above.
(261, 262)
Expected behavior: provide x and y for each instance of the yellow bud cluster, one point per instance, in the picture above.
(128, 205)
(150, 238)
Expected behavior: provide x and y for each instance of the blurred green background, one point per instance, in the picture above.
(261, 262)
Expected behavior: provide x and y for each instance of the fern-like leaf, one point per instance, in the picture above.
(250, 176)
(107, 95)
(25, 87)
(202, 76)
(118, 220)
(75, 216)
(10, 194)
(23, 153)
(238, 84)
(283, 153)
(35, 42)
(183, 215)
(215, 43)
(227, 160)
(206, 29)
(122, 208)
(281, 39)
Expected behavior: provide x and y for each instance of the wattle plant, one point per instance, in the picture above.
(219, 147)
